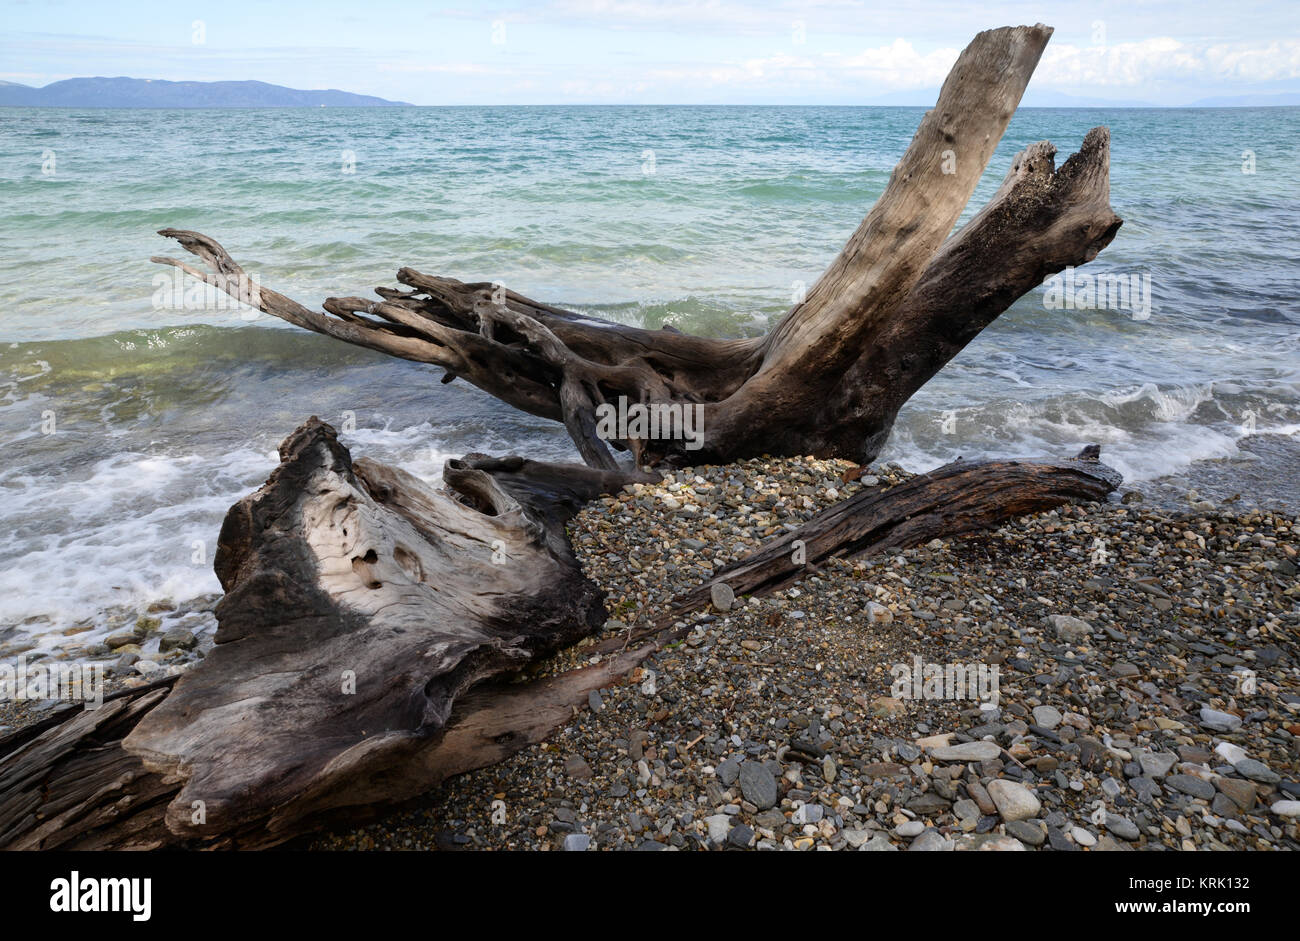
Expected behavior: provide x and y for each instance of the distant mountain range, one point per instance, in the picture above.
(156, 93)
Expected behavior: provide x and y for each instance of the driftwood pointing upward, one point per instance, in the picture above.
(896, 304)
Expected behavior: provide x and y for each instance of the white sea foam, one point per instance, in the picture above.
(415, 449)
(1175, 404)
(1145, 433)
(127, 531)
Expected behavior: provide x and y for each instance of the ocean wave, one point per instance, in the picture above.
(134, 528)
(145, 529)
(1145, 432)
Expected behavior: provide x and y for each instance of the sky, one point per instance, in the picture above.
(829, 52)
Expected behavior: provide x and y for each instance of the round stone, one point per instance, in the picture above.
(910, 829)
(1014, 801)
(722, 596)
(1047, 717)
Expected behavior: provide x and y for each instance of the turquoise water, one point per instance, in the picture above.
(699, 217)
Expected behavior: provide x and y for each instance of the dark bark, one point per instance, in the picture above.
(261, 734)
(360, 604)
(953, 500)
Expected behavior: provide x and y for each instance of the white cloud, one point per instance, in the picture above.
(448, 68)
(679, 14)
(892, 67)
(1276, 60)
(899, 65)
(1164, 59)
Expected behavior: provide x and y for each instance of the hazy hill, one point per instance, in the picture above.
(156, 93)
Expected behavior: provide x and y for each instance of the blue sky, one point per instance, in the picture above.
(641, 51)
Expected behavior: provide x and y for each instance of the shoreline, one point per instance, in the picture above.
(798, 685)
(1262, 475)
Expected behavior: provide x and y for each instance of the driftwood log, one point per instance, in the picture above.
(900, 300)
(367, 634)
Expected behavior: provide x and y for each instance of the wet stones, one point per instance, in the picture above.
(178, 638)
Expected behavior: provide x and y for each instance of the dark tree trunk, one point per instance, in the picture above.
(360, 604)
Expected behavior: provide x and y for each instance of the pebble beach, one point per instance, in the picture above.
(1147, 686)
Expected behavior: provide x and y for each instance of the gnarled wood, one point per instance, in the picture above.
(896, 304)
(261, 732)
(368, 618)
(360, 604)
(952, 500)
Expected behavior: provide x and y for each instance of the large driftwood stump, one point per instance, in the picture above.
(360, 604)
(896, 304)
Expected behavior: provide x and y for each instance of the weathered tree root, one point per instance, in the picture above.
(900, 300)
(360, 604)
(263, 736)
